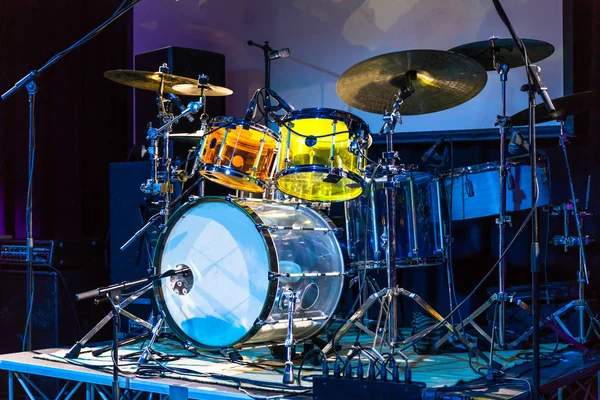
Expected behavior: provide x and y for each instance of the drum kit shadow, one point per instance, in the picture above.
(241, 271)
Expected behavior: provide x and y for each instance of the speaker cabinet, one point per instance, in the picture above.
(189, 63)
(57, 320)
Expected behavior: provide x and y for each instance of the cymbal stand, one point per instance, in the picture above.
(580, 305)
(500, 298)
(503, 220)
(389, 157)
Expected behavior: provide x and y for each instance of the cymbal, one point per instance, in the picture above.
(148, 80)
(507, 52)
(187, 89)
(565, 106)
(443, 80)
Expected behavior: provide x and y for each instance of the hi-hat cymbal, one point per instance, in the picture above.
(187, 89)
(443, 80)
(507, 52)
(148, 80)
(565, 106)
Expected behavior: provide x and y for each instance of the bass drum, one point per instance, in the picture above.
(234, 248)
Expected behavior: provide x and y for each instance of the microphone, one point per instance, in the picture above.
(281, 53)
(540, 88)
(433, 149)
(175, 101)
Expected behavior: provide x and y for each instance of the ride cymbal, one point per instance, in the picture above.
(146, 80)
(506, 50)
(565, 106)
(440, 80)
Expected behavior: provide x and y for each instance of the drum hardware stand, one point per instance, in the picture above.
(290, 342)
(581, 306)
(503, 122)
(389, 157)
(385, 295)
(113, 293)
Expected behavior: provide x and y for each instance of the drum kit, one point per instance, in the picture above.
(270, 271)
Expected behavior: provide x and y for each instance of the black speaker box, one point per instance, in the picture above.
(189, 63)
(57, 320)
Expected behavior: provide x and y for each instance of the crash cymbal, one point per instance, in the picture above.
(209, 90)
(507, 52)
(440, 79)
(148, 80)
(565, 106)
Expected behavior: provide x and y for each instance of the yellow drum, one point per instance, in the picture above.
(239, 158)
(321, 155)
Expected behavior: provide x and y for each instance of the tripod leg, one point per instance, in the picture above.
(421, 303)
(122, 343)
(470, 320)
(76, 349)
(148, 349)
(355, 317)
(547, 322)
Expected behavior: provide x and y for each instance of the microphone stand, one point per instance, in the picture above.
(113, 293)
(266, 48)
(28, 82)
(535, 85)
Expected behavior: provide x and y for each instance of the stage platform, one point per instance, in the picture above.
(178, 375)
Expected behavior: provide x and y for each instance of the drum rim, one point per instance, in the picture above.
(295, 169)
(235, 121)
(491, 166)
(323, 113)
(233, 172)
(273, 267)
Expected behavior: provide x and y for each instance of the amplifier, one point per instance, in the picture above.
(58, 254)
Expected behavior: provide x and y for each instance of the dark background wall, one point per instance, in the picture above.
(81, 120)
(84, 122)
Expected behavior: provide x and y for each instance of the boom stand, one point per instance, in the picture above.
(28, 82)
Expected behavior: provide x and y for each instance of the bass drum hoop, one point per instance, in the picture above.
(273, 267)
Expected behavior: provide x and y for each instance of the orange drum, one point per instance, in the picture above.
(239, 158)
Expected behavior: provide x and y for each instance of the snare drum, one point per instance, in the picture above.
(419, 234)
(235, 250)
(475, 190)
(241, 159)
(320, 157)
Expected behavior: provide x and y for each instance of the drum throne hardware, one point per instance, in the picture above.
(392, 79)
